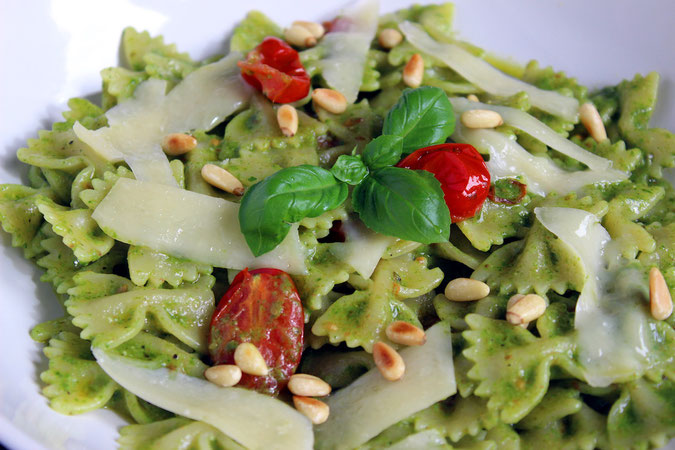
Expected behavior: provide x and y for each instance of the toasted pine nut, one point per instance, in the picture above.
(330, 100)
(315, 410)
(388, 361)
(175, 144)
(299, 36)
(405, 333)
(222, 179)
(590, 118)
(525, 309)
(308, 385)
(413, 72)
(287, 118)
(512, 300)
(316, 29)
(466, 290)
(389, 38)
(225, 375)
(250, 361)
(472, 98)
(660, 301)
(481, 118)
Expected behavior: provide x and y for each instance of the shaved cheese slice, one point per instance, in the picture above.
(363, 248)
(347, 45)
(537, 129)
(612, 328)
(370, 404)
(137, 126)
(509, 159)
(256, 421)
(488, 78)
(189, 225)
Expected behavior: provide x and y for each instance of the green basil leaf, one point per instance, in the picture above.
(349, 169)
(407, 204)
(422, 117)
(383, 151)
(269, 207)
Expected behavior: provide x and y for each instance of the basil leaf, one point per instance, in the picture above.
(408, 204)
(422, 117)
(270, 206)
(383, 151)
(349, 169)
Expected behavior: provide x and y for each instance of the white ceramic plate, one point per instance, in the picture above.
(51, 50)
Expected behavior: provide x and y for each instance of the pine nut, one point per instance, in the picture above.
(225, 375)
(388, 361)
(299, 36)
(222, 179)
(175, 144)
(512, 300)
(316, 29)
(590, 118)
(287, 117)
(660, 301)
(466, 290)
(413, 72)
(250, 361)
(389, 38)
(525, 309)
(330, 100)
(405, 333)
(472, 98)
(315, 410)
(481, 118)
(308, 385)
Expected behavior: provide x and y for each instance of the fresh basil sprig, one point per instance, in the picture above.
(408, 204)
(405, 203)
(349, 169)
(269, 207)
(422, 117)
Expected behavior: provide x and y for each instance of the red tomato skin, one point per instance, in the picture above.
(262, 307)
(274, 68)
(462, 172)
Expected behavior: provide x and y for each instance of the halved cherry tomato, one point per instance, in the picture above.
(262, 307)
(462, 172)
(274, 68)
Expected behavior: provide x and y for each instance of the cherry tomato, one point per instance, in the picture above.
(462, 172)
(274, 68)
(262, 307)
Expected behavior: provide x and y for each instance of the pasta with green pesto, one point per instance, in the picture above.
(595, 370)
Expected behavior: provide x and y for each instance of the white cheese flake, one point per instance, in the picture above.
(255, 420)
(488, 78)
(371, 404)
(611, 321)
(363, 248)
(137, 126)
(509, 159)
(189, 225)
(347, 46)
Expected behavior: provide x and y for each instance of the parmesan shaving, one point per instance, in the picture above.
(362, 249)
(509, 159)
(371, 404)
(612, 330)
(189, 225)
(488, 78)
(255, 420)
(537, 129)
(347, 46)
(137, 126)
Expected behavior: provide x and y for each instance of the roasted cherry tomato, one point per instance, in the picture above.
(274, 68)
(262, 307)
(462, 172)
